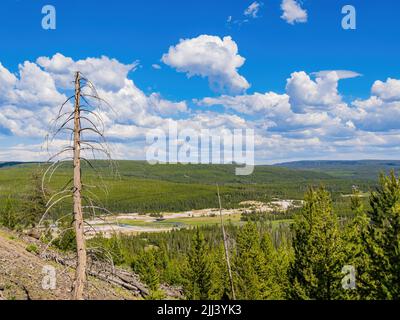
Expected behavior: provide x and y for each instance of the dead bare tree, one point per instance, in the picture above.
(226, 247)
(78, 122)
(80, 276)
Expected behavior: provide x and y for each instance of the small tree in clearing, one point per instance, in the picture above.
(78, 122)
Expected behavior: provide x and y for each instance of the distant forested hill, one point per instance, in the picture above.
(8, 164)
(211, 174)
(141, 187)
(360, 169)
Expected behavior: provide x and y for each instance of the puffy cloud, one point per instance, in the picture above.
(326, 127)
(274, 114)
(210, 57)
(22, 152)
(7, 81)
(389, 90)
(34, 88)
(25, 100)
(369, 104)
(309, 120)
(307, 94)
(375, 114)
(380, 112)
(278, 113)
(293, 12)
(131, 106)
(256, 103)
(216, 121)
(252, 10)
(30, 100)
(107, 73)
(24, 123)
(166, 107)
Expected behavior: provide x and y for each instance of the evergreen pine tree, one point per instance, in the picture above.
(146, 266)
(198, 270)
(251, 275)
(35, 202)
(151, 274)
(319, 253)
(8, 217)
(220, 284)
(383, 241)
(276, 264)
(356, 236)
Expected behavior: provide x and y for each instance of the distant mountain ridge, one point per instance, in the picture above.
(364, 169)
(136, 186)
(314, 163)
(9, 164)
(289, 171)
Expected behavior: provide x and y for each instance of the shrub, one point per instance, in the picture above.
(32, 248)
(8, 216)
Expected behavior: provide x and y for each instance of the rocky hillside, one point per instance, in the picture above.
(22, 270)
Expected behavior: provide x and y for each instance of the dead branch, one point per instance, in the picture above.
(228, 264)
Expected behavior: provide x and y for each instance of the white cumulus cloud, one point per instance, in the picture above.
(293, 12)
(309, 120)
(105, 72)
(389, 90)
(256, 103)
(30, 100)
(210, 57)
(307, 94)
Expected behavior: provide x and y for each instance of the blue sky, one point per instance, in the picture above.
(143, 31)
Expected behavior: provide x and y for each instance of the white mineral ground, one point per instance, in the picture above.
(109, 225)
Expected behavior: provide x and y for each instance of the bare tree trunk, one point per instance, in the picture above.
(228, 263)
(80, 275)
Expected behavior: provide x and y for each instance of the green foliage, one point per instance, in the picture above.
(8, 216)
(248, 266)
(220, 284)
(382, 241)
(156, 295)
(145, 188)
(110, 249)
(319, 251)
(172, 273)
(255, 216)
(271, 258)
(34, 204)
(28, 210)
(354, 169)
(276, 263)
(303, 260)
(32, 248)
(198, 269)
(355, 235)
(146, 266)
(284, 256)
(172, 250)
(255, 266)
(66, 240)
